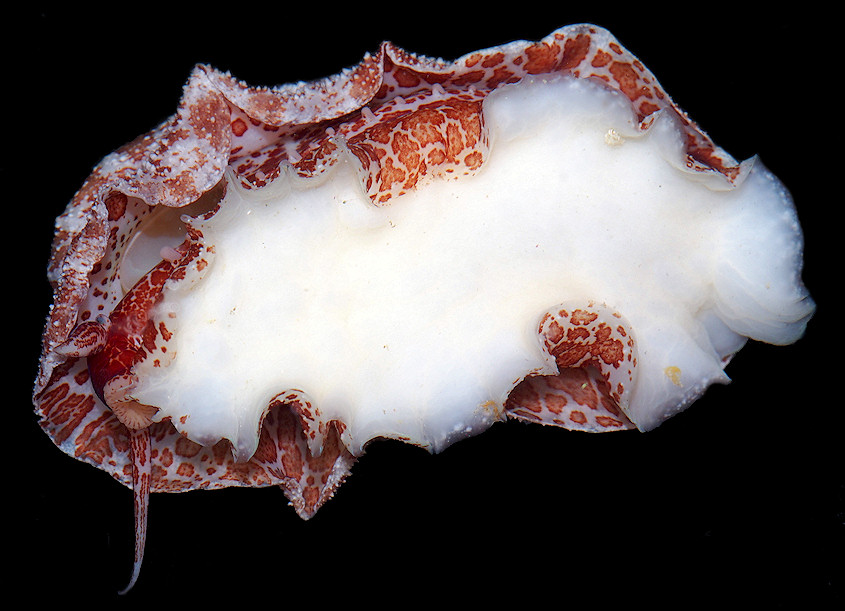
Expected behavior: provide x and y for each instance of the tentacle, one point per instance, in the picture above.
(141, 481)
(86, 339)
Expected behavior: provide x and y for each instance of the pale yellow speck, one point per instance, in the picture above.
(674, 374)
(613, 138)
(492, 407)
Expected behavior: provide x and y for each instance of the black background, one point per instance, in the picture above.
(740, 498)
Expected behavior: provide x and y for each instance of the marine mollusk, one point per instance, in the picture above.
(411, 249)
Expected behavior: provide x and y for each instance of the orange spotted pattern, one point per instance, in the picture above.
(395, 84)
(596, 359)
(73, 418)
(406, 119)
